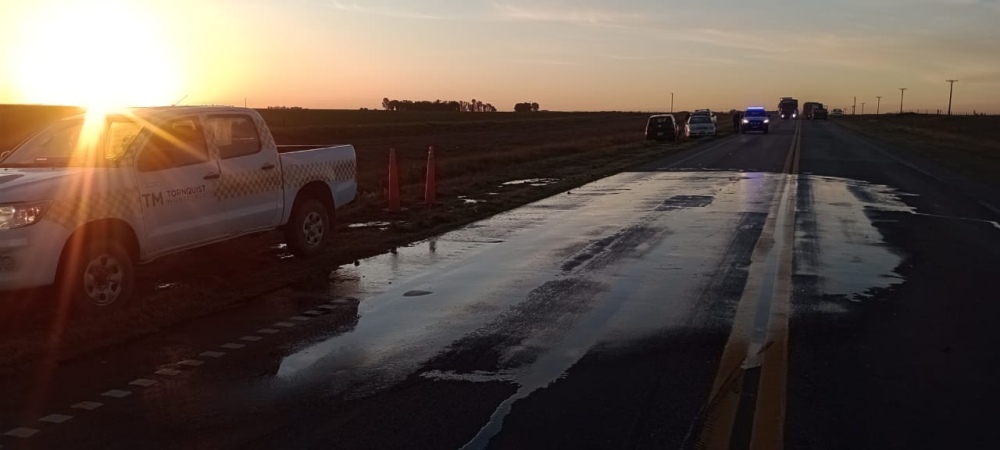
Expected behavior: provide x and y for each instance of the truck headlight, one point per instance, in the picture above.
(19, 215)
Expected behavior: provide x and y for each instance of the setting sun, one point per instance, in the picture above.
(97, 54)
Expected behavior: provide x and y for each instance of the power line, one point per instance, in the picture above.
(951, 90)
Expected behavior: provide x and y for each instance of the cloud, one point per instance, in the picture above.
(581, 16)
(387, 11)
(545, 62)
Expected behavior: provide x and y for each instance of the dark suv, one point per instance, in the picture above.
(755, 119)
(661, 127)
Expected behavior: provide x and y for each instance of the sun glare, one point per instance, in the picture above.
(99, 54)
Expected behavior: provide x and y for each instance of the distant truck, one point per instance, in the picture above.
(814, 111)
(84, 200)
(788, 108)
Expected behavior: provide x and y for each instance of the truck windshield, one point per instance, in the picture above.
(74, 143)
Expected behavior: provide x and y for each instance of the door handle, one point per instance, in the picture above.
(212, 176)
(267, 166)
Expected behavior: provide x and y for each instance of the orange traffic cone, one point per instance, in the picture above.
(430, 187)
(393, 181)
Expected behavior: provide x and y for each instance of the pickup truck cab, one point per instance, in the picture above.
(89, 197)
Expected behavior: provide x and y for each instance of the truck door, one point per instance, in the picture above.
(250, 190)
(177, 183)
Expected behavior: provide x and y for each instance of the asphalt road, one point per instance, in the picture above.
(807, 289)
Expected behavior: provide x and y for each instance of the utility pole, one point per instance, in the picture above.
(901, 92)
(862, 108)
(854, 107)
(951, 90)
(671, 102)
(878, 103)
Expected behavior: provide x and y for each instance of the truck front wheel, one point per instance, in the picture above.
(308, 230)
(101, 275)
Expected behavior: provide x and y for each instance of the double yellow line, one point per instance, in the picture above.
(794, 153)
(758, 342)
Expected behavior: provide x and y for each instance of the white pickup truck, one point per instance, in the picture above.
(87, 198)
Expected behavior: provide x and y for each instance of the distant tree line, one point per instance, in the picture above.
(437, 105)
(526, 107)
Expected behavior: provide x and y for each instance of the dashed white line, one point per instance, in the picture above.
(55, 418)
(312, 312)
(21, 432)
(284, 324)
(87, 406)
(116, 393)
(267, 331)
(327, 307)
(142, 382)
(990, 207)
(212, 354)
(233, 346)
(191, 363)
(251, 338)
(168, 372)
(299, 318)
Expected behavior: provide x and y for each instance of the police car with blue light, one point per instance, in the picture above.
(755, 119)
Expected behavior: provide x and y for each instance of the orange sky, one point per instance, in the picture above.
(565, 55)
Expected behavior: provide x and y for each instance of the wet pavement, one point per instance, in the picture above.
(805, 288)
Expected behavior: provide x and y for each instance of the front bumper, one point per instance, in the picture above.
(701, 132)
(29, 256)
(755, 126)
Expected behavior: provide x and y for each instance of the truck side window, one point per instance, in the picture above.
(235, 135)
(178, 143)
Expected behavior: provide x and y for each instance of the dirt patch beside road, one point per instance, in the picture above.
(474, 159)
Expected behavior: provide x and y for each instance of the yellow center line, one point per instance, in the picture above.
(741, 351)
(769, 414)
(791, 161)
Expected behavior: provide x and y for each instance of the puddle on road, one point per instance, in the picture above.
(837, 242)
(482, 272)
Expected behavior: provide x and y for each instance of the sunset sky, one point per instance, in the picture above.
(563, 54)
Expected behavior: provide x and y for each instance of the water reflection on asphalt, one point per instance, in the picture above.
(631, 255)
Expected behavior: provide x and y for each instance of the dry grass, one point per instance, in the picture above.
(969, 145)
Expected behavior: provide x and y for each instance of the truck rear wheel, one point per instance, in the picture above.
(309, 228)
(101, 276)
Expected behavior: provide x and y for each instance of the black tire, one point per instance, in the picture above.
(309, 228)
(100, 277)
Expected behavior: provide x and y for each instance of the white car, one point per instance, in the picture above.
(86, 199)
(698, 126)
(705, 112)
(837, 113)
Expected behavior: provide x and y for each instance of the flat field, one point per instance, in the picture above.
(969, 145)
